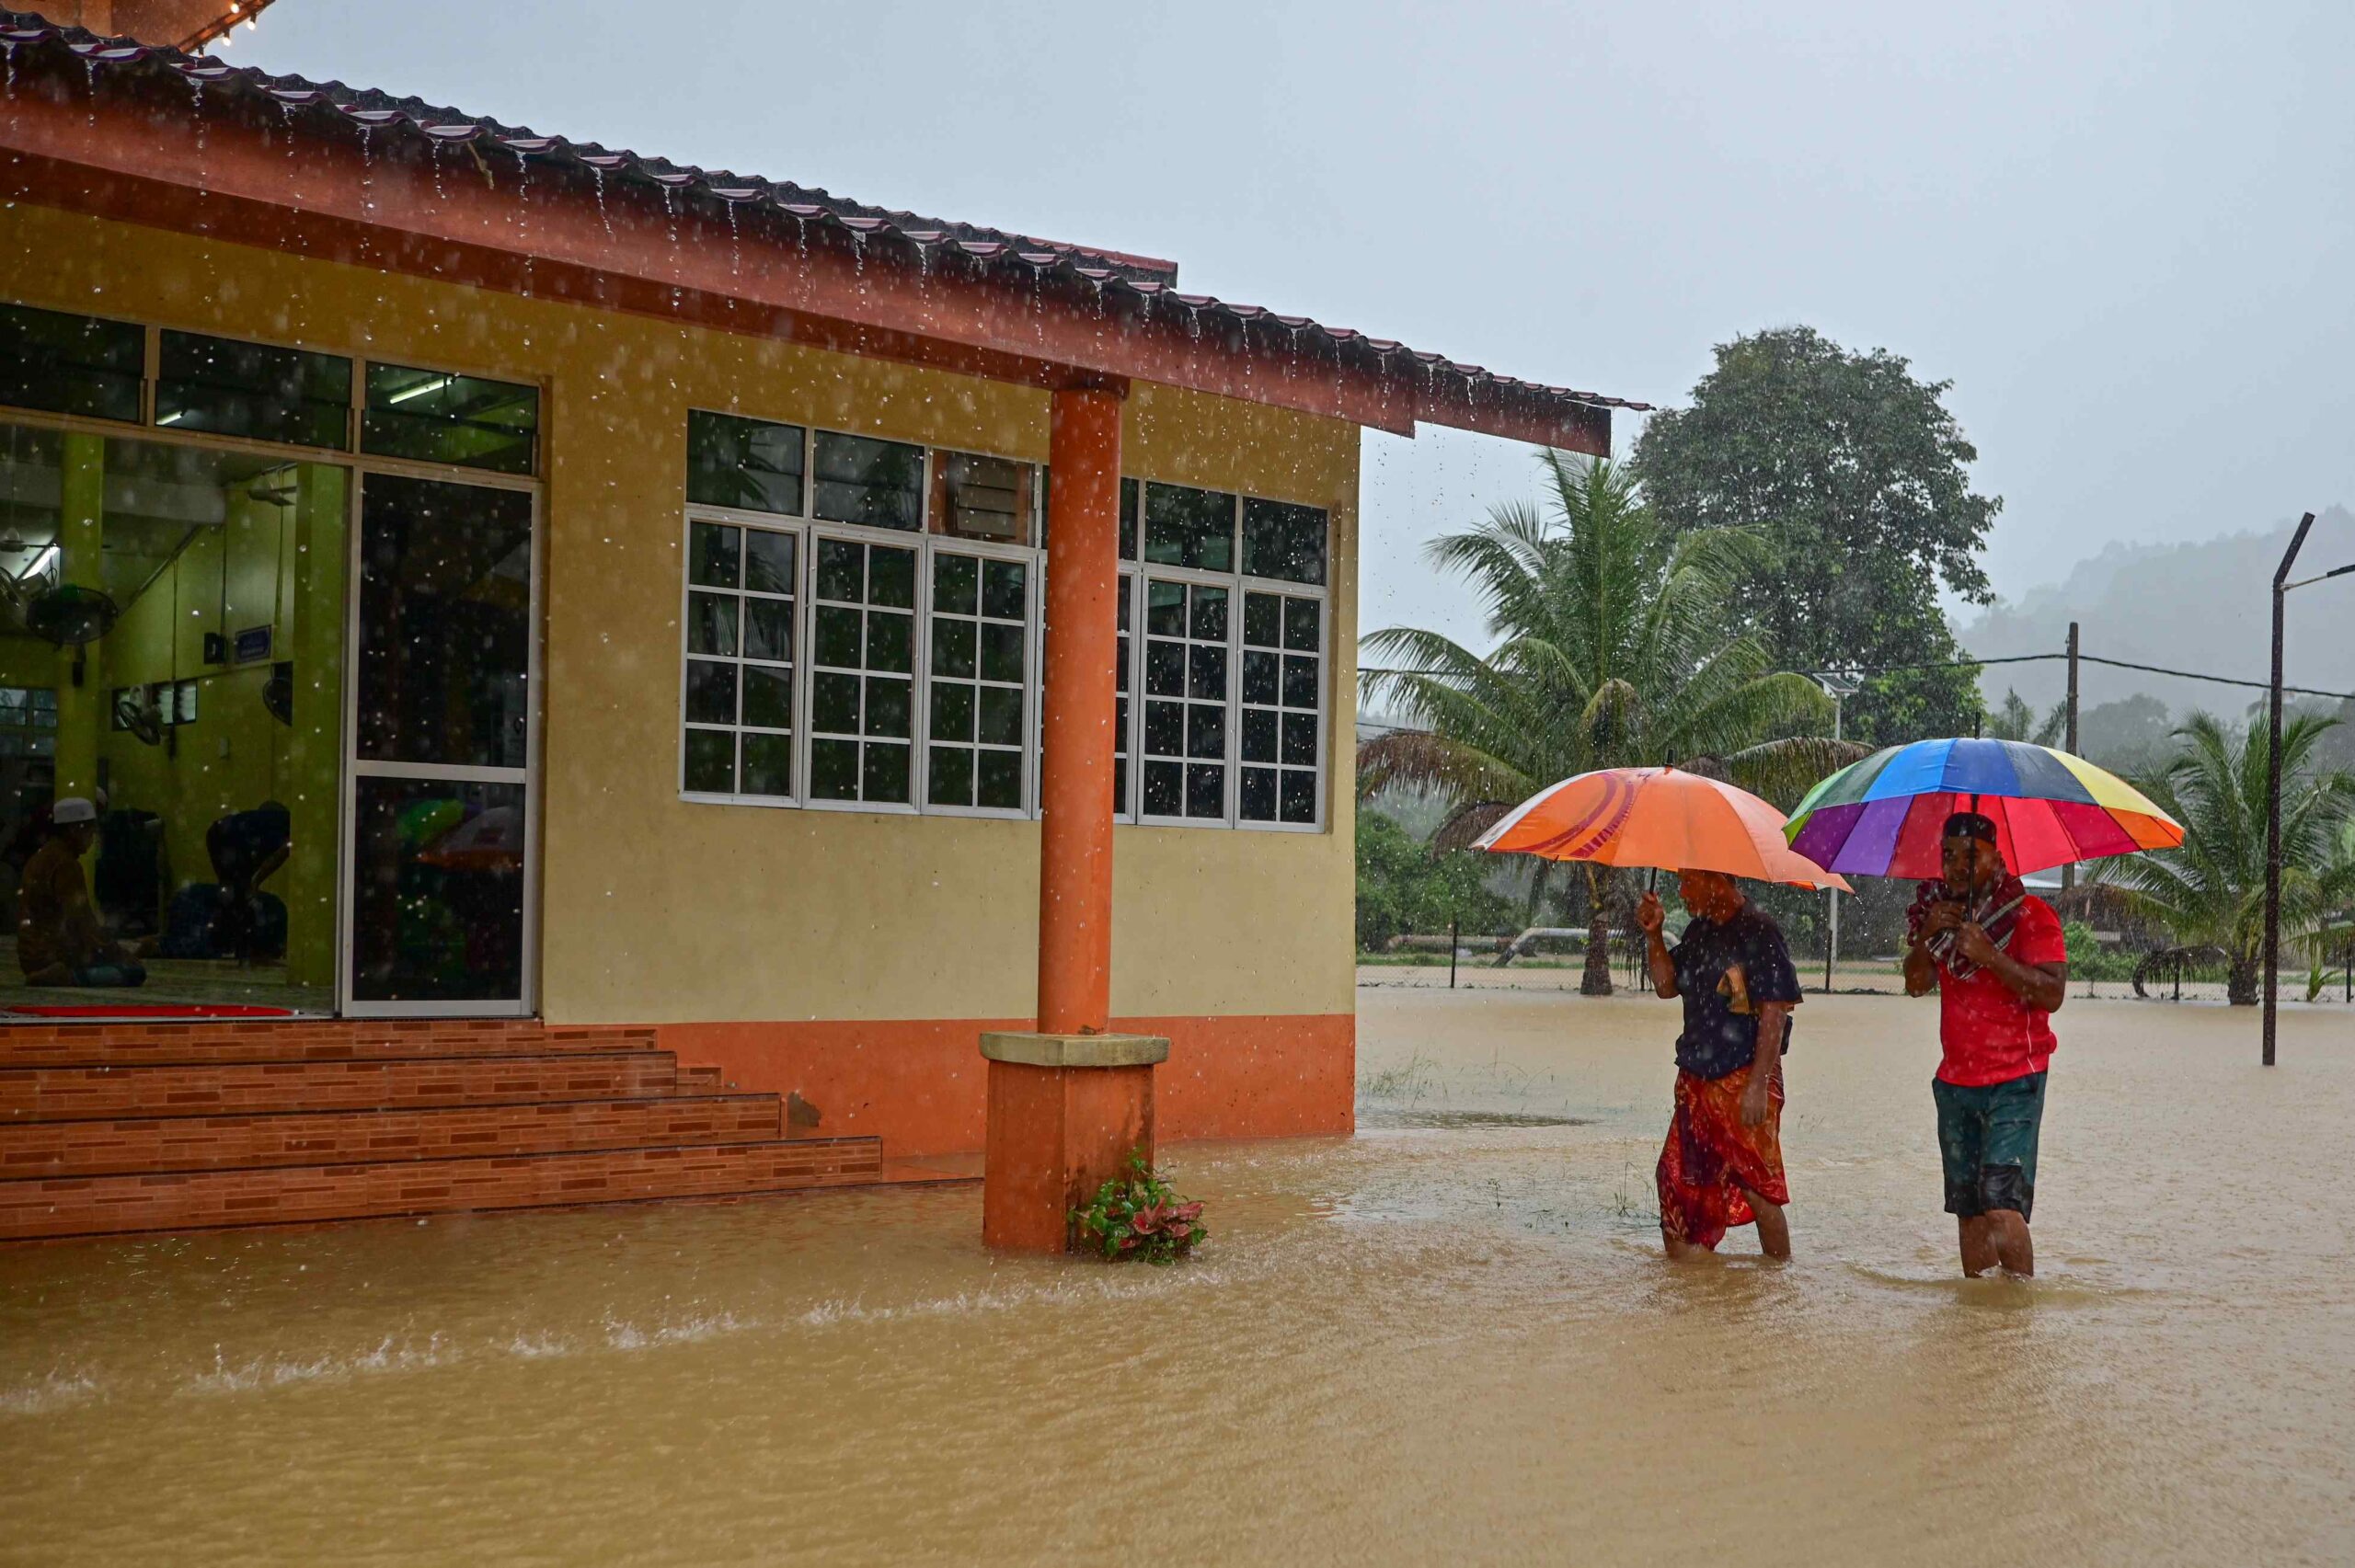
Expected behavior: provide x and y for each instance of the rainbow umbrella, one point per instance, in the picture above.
(1660, 817)
(1883, 817)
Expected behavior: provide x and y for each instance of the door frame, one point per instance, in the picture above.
(527, 1002)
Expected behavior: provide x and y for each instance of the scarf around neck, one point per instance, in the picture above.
(1995, 911)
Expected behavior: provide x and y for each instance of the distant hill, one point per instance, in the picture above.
(2203, 606)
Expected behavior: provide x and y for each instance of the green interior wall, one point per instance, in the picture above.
(283, 566)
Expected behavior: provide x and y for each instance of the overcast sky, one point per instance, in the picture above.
(2122, 231)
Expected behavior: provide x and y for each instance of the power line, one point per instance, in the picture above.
(1872, 670)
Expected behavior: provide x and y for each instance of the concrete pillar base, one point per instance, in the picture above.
(1065, 1112)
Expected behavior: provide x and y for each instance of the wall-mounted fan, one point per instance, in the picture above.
(278, 694)
(71, 616)
(134, 711)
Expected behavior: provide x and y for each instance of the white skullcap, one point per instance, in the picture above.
(72, 809)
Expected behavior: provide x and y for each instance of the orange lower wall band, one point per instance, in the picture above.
(921, 1085)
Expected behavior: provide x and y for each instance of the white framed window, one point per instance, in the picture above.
(1280, 748)
(863, 636)
(862, 623)
(737, 693)
(1188, 636)
(1229, 680)
(981, 672)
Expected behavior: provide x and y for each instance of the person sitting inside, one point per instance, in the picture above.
(246, 848)
(58, 939)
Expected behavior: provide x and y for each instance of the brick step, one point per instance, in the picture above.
(700, 1080)
(50, 1207)
(310, 1039)
(58, 1093)
(30, 1150)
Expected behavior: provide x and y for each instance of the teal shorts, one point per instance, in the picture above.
(1987, 1143)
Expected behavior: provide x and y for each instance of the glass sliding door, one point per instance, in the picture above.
(441, 847)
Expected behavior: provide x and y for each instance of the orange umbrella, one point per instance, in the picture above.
(1657, 817)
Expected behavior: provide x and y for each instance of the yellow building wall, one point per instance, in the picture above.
(655, 909)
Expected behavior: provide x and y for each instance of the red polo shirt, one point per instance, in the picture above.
(1989, 1035)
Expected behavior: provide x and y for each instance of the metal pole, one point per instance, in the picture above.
(2069, 872)
(1832, 947)
(1455, 941)
(2273, 789)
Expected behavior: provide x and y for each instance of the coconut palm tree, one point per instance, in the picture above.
(1614, 649)
(2211, 892)
(2018, 721)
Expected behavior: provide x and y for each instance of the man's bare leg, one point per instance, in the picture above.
(2014, 1250)
(1774, 1231)
(1676, 1246)
(1998, 1238)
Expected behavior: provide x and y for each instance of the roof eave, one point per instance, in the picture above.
(398, 199)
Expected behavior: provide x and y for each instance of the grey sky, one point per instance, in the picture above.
(2123, 230)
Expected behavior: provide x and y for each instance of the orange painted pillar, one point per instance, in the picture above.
(1075, 765)
(1068, 1104)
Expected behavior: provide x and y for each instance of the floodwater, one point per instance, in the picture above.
(1449, 1337)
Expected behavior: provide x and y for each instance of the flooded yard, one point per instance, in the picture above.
(1450, 1336)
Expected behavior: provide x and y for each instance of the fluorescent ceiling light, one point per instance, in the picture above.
(421, 388)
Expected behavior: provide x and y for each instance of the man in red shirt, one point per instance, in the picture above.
(1997, 959)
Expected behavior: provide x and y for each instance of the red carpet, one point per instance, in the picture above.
(155, 1010)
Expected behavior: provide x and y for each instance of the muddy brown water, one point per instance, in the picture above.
(1448, 1337)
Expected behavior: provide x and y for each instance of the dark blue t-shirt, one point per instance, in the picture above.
(1717, 1039)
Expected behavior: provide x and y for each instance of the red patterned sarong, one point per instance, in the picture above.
(1710, 1157)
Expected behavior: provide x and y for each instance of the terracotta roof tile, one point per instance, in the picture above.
(1026, 257)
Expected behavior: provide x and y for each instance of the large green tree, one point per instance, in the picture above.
(1614, 649)
(1856, 476)
(2211, 892)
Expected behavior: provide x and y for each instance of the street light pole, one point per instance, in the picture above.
(2069, 744)
(2273, 787)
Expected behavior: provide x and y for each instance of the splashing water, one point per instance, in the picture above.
(735, 240)
(433, 147)
(523, 193)
(9, 49)
(598, 174)
(286, 115)
(196, 109)
(367, 167)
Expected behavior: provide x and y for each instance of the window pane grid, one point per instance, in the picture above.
(1281, 743)
(738, 700)
(862, 664)
(979, 680)
(1186, 663)
(1124, 661)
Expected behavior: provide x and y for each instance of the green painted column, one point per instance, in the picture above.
(81, 539)
(314, 748)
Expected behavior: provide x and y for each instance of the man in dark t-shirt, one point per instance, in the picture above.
(1722, 1165)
